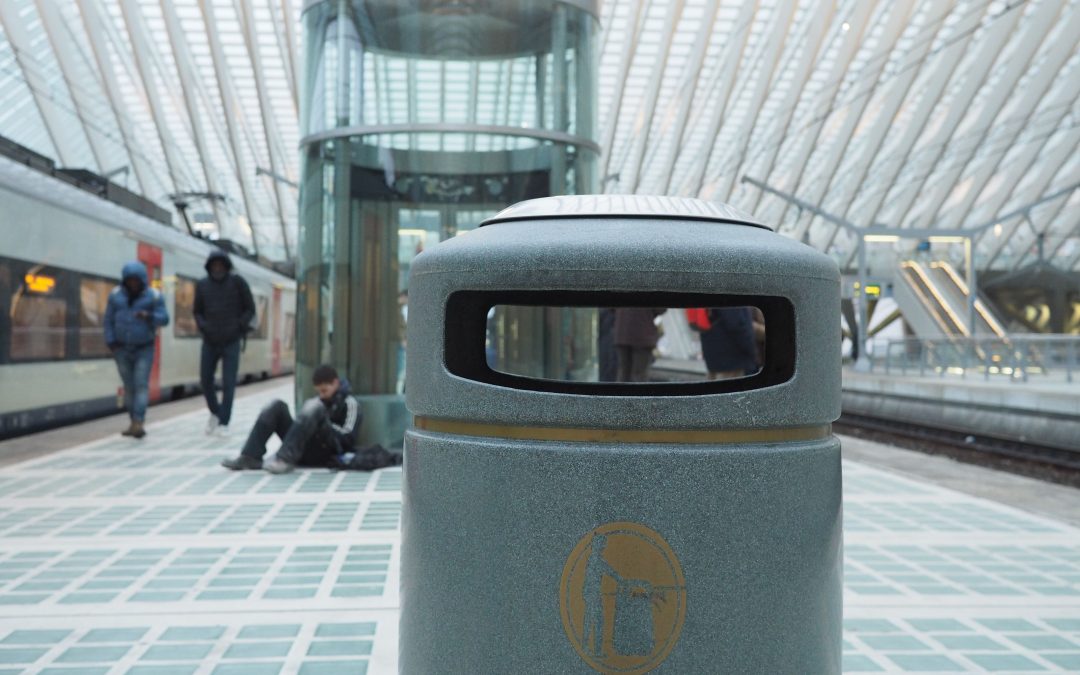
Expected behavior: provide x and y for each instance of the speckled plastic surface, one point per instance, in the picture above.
(488, 526)
(627, 254)
(491, 527)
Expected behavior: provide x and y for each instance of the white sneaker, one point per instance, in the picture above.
(212, 424)
(222, 430)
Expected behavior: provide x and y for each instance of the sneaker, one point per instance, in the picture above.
(137, 430)
(242, 462)
(221, 431)
(212, 424)
(278, 467)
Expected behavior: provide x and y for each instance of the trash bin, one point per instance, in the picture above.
(555, 526)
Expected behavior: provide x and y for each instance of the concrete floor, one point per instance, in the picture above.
(121, 556)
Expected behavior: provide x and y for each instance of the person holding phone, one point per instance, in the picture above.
(132, 316)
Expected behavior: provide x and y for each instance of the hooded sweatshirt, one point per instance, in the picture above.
(123, 325)
(344, 415)
(224, 307)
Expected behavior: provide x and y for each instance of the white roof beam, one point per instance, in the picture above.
(722, 80)
(51, 115)
(605, 25)
(1017, 242)
(815, 38)
(270, 128)
(632, 32)
(1066, 233)
(231, 108)
(940, 184)
(688, 88)
(138, 34)
(80, 94)
(285, 31)
(95, 34)
(942, 71)
(647, 105)
(898, 90)
(185, 70)
(896, 20)
(1071, 232)
(1046, 215)
(783, 13)
(1027, 100)
(1047, 166)
(851, 39)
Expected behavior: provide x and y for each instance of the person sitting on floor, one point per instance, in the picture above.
(323, 431)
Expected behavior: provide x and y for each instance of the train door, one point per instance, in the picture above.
(150, 256)
(275, 332)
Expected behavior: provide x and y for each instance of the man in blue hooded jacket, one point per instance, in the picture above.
(132, 316)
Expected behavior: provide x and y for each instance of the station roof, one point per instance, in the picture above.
(918, 114)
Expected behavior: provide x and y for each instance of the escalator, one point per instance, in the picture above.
(933, 299)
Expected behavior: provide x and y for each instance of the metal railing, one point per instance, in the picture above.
(1013, 357)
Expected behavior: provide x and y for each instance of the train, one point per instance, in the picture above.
(61, 250)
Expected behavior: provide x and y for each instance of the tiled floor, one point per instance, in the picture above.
(147, 558)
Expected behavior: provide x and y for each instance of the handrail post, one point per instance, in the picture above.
(1070, 358)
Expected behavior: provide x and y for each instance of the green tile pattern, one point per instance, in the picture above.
(179, 649)
(201, 574)
(950, 570)
(959, 645)
(149, 559)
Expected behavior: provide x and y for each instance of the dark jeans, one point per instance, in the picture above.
(229, 355)
(308, 440)
(606, 358)
(134, 364)
(634, 363)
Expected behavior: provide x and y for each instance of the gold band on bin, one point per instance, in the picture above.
(710, 436)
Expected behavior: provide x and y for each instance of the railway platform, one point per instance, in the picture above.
(1043, 410)
(146, 557)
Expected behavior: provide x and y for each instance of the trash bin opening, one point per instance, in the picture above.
(488, 333)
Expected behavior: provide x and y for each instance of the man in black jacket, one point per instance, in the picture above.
(323, 431)
(224, 309)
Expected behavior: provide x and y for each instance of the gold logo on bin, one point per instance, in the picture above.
(623, 598)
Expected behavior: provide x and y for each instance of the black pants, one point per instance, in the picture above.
(229, 355)
(308, 440)
(634, 363)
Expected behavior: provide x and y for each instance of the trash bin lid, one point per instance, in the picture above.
(623, 206)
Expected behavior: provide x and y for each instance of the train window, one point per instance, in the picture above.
(260, 322)
(184, 325)
(93, 299)
(38, 318)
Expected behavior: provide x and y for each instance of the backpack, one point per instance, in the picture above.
(699, 319)
(370, 458)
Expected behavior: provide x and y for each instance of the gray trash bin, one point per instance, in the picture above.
(565, 527)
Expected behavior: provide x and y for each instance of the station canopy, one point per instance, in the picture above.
(817, 117)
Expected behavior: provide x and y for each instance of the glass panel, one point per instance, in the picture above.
(504, 90)
(261, 327)
(289, 341)
(184, 325)
(93, 299)
(38, 319)
(634, 344)
(521, 63)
